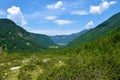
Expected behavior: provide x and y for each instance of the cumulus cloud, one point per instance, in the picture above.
(55, 6)
(101, 7)
(78, 12)
(50, 17)
(15, 14)
(63, 22)
(89, 24)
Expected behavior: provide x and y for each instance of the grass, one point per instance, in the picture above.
(62, 67)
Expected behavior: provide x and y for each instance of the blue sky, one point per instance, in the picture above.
(56, 17)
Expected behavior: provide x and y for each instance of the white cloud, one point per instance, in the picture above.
(113, 2)
(50, 17)
(101, 7)
(78, 12)
(89, 24)
(15, 14)
(56, 5)
(1, 12)
(63, 22)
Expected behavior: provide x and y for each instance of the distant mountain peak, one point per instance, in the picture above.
(65, 39)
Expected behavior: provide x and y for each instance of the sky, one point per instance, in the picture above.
(58, 17)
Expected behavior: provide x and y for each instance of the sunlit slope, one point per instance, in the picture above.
(15, 38)
(110, 24)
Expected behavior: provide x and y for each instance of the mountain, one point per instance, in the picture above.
(41, 38)
(109, 43)
(99, 31)
(65, 39)
(15, 38)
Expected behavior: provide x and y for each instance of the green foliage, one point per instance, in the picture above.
(98, 31)
(43, 39)
(15, 39)
(24, 76)
(109, 43)
(76, 66)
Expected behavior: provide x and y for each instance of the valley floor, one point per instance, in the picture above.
(60, 67)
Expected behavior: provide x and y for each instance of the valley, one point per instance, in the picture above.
(92, 54)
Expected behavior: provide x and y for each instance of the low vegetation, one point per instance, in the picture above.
(96, 60)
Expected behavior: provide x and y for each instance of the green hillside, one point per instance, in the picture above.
(41, 38)
(65, 39)
(99, 31)
(107, 44)
(14, 38)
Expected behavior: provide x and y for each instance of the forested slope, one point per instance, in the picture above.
(101, 30)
